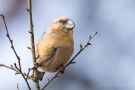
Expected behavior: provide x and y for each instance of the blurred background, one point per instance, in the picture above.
(108, 64)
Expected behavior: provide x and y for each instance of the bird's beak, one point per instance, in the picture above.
(70, 25)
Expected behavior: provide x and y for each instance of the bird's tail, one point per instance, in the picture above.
(40, 75)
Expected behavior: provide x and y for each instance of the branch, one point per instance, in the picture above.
(17, 71)
(18, 58)
(71, 61)
(82, 48)
(11, 67)
(29, 9)
(11, 41)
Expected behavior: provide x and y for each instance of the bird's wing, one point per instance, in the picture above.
(45, 50)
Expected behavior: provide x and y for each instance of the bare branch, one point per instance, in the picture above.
(49, 81)
(17, 71)
(11, 41)
(12, 68)
(18, 58)
(86, 45)
(28, 72)
(29, 10)
(71, 61)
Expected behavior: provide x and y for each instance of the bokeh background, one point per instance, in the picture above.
(108, 64)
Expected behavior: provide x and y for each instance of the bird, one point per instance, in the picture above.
(55, 47)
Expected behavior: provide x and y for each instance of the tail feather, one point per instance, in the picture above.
(40, 75)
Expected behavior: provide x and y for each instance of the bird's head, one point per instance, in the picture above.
(62, 23)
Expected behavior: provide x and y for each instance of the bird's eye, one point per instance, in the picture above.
(61, 21)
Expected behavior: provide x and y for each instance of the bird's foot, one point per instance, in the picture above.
(62, 68)
(36, 65)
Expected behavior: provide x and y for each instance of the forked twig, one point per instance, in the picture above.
(18, 58)
(11, 67)
(82, 48)
(17, 71)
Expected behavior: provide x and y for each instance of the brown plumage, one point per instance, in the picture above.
(56, 46)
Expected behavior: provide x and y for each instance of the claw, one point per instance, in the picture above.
(62, 68)
(36, 65)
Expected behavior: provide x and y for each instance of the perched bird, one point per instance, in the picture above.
(55, 47)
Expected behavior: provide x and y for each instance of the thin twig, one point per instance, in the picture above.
(71, 61)
(18, 58)
(82, 48)
(11, 41)
(28, 47)
(28, 72)
(29, 9)
(17, 71)
(12, 68)
(17, 86)
(49, 81)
